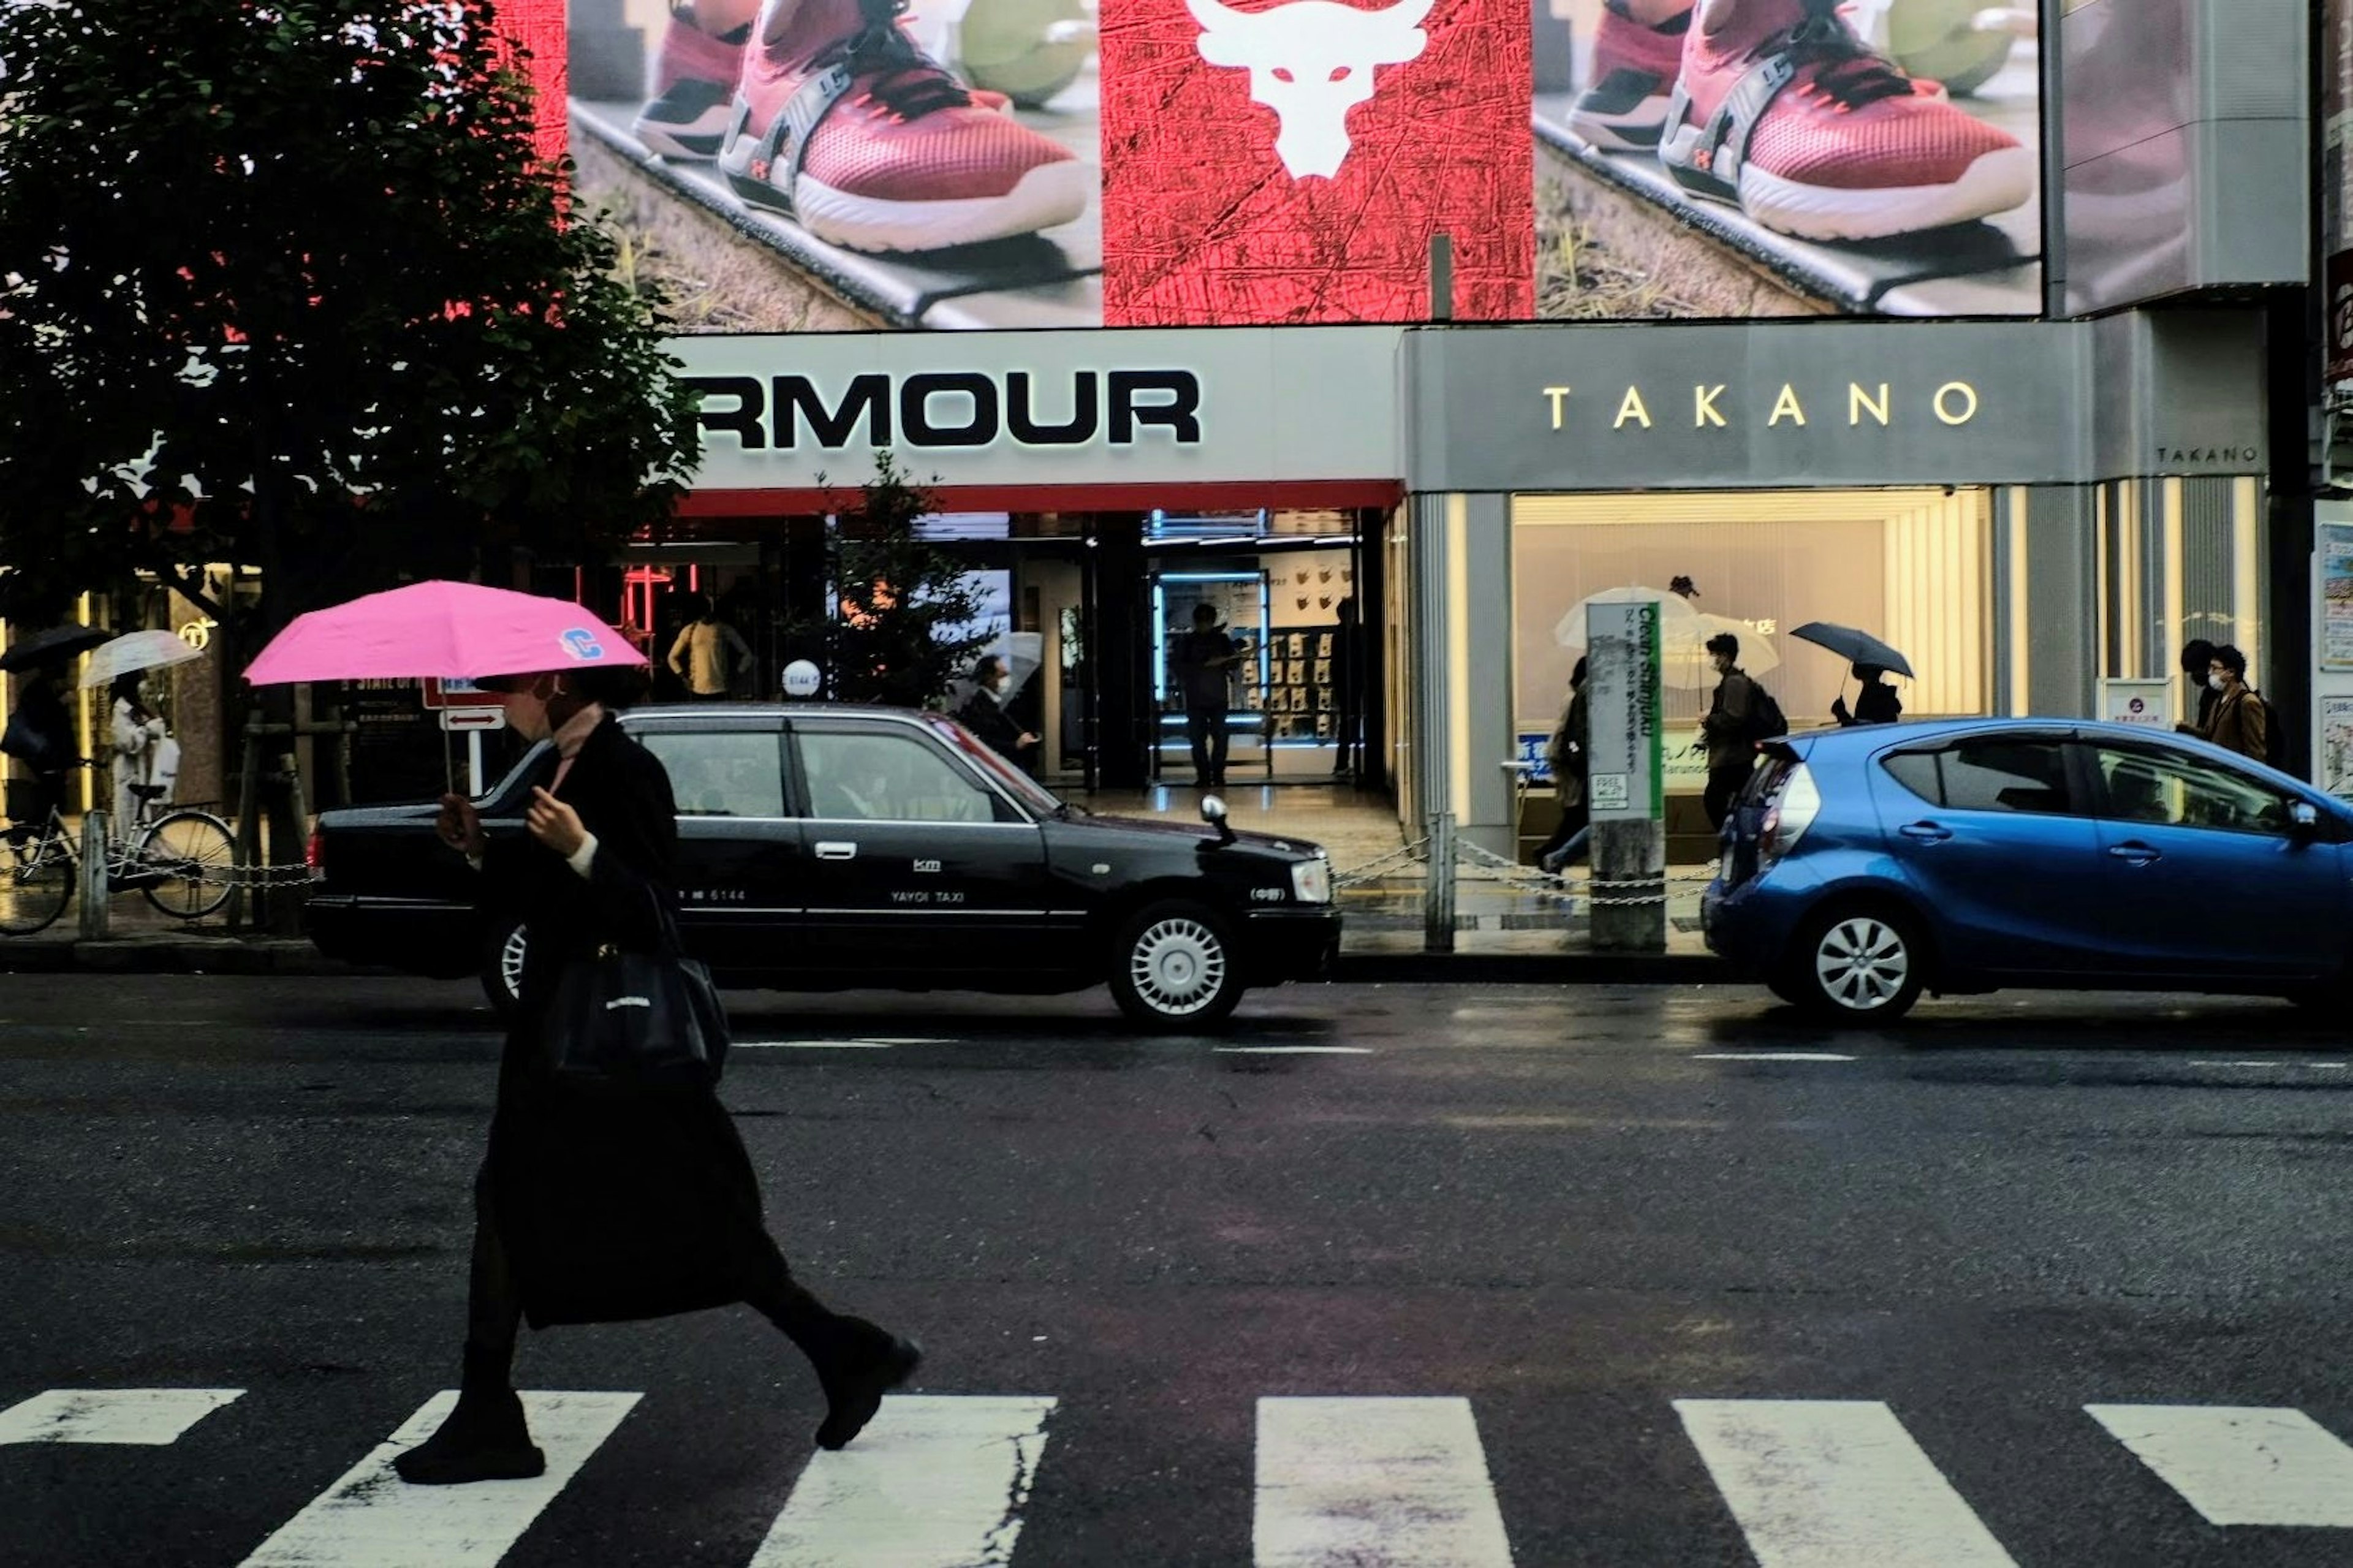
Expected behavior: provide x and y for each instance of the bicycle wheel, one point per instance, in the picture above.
(36, 877)
(183, 863)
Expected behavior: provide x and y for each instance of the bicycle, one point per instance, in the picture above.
(181, 861)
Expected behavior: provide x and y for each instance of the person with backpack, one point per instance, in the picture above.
(2240, 720)
(1741, 714)
(1876, 703)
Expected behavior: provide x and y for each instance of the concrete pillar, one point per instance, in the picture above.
(1461, 599)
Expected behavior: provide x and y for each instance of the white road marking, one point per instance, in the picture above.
(372, 1519)
(151, 1417)
(2322, 1067)
(1368, 1482)
(933, 1482)
(1291, 1051)
(1769, 1056)
(812, 1045)
(1835, 1484)
(2241, 1465)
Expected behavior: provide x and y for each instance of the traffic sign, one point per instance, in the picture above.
(474, 719)
(442, 691)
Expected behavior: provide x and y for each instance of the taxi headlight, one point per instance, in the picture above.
(1310, 881)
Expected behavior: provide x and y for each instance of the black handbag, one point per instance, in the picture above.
(621, 1022)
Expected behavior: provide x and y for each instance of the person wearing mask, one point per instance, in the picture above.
(2240, 720)
(138, 737)
(1876, 703)
(708, 653)
(40, 736)
(1731, 752)
(2197, 663)
(983, 713)
(598, 1207)
(1205, 661)
(1566, 757)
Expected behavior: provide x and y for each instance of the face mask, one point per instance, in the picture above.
(2219, 682)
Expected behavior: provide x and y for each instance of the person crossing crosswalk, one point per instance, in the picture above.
(948, 1480)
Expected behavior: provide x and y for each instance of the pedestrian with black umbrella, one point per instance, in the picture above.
(1873, 661)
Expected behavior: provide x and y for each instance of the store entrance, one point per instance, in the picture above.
(1282, 588)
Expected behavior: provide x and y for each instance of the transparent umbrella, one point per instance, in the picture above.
(134, 651)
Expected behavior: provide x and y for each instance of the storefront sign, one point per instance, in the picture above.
(1048, 409)
(2335, 544)
(1817, 404)
(2136, 702)
(1624, 782)
(2337, 746)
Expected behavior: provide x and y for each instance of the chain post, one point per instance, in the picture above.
(1437, 893)
(94, 879)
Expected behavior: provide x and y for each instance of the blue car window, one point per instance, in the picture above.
(1992, 773)
(2177, 792)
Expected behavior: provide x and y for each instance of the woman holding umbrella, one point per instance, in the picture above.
(591, 1208)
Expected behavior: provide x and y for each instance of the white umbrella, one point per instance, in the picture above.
(1684, 649)
(1674, 610)
(135, 651)
(1022, 652)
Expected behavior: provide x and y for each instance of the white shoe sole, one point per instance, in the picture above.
(1636, 132)
(1045, 197)
(1996, 182)
(707, 131)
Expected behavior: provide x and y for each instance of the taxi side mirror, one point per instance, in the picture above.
(1213, 812)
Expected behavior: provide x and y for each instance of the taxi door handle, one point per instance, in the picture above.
(837, 851)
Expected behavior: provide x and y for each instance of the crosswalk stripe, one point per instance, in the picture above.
(1835, 1484)
(140, 1415)
(372, 1518)
(1373, 1483)
(933, 1482)
(2241, 1465)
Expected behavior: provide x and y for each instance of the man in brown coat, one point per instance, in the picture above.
(2240, 720)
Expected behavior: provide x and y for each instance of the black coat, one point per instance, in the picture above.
(985, 717)
(610, 1209)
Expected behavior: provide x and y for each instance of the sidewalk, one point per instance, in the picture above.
(1521, 930)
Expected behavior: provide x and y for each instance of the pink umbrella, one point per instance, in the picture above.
(455, 630)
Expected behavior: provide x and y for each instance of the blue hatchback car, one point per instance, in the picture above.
(1864, 865)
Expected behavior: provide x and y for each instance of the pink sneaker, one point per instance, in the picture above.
(1634, 68)
(846, 126)
(694, 79)
(1783, 111)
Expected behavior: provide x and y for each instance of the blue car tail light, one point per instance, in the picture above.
(1792, 805)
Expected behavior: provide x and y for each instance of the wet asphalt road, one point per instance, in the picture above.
(1566, 1206)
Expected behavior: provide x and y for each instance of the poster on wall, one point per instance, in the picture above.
(2336, 547)
(2337, 746)
(814, 166)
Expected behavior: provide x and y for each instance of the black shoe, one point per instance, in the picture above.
(486, 1438)
(854, 1394)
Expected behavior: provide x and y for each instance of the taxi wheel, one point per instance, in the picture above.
(502, 971)
(1858, 964)
(1173, 967)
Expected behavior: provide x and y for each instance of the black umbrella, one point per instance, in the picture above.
(1855, 646)
(52, 646)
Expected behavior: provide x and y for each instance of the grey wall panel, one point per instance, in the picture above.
(2063, 667)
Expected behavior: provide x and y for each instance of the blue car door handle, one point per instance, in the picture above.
(1924, 832)
(2133, 850)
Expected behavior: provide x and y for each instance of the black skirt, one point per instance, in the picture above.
(619, 1208)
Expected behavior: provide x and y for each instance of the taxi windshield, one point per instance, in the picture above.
(1021, 785)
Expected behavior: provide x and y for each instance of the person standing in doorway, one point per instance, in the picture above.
(1568, 758)
(1206, 658)
(600, 1208)
(1348, 693)
(1731, 750)
(709, 653)
(2240, 720)
(983, 713)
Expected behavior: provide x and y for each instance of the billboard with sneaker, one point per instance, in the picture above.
(810, 165)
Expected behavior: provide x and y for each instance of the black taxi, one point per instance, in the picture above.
(831, 848)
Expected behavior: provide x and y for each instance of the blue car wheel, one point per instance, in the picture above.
(1856, 965)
